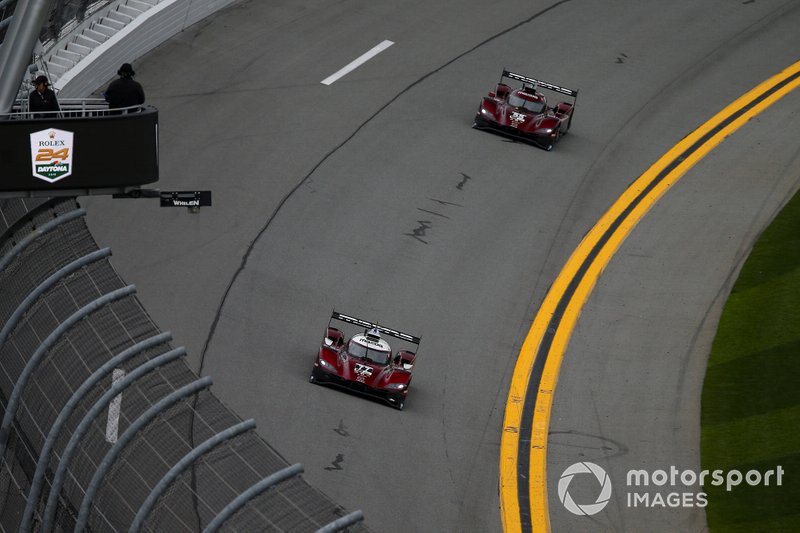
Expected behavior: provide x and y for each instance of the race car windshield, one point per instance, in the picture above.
(362, 352)
(533, 107)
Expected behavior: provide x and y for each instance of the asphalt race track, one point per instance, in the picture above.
(374, 196)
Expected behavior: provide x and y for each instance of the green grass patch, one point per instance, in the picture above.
(751, 394)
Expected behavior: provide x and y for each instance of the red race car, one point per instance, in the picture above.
(523, 113)
(365, 363)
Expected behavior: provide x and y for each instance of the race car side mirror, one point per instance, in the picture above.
(492, 94)
(405, 359)
(333, 337)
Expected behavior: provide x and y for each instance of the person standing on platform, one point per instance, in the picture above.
(42, 98)
(124, 91)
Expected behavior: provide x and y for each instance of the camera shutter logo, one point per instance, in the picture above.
(586, 509)
(51, 154)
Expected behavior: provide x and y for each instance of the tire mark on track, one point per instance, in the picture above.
(251, 246)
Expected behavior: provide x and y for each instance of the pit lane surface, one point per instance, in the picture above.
(373, 196)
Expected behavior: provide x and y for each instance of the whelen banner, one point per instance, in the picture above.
(79, 154)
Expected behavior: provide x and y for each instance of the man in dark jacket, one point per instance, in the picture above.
(124, 91)
(42, 98)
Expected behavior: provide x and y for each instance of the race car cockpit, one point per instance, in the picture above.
(370, 346)
(536, 105)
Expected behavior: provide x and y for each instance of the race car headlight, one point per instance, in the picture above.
(484, 112)
(547, 130)
(396, 386)
(324, 364)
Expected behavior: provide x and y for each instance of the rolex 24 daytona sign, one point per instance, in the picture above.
(51, 154)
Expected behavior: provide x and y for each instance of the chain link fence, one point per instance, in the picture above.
(122, 446)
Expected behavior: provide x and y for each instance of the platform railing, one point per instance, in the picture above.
(70, 108)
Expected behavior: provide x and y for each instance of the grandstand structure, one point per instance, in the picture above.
(103, 425)
(81, 43)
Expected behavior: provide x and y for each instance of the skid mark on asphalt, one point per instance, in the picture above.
(424, 225)
(336, 464)
(268, 222)
(434, 213)
(443, 202)
(342, 430)
(420, 231)
(601, 446)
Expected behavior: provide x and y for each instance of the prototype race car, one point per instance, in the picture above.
(365, 363)
(523, 113)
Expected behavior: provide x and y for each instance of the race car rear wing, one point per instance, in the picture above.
(539, 83)
(368, 325)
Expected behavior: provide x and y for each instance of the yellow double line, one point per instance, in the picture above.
(523, 446)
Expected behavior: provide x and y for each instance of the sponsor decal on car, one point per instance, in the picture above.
(363, 372)
(517, 119)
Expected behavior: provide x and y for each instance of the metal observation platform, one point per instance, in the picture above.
(83, 149)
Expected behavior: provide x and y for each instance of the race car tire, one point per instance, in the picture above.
(399, 402)
(316, 376)
(479, 122)
(552, 142)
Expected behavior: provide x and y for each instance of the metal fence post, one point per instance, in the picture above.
(44, 228)
(343, 522)
(182, 465)
(242, 499)
(46, 285)
(15, 53)
(41, 351)
(86, 422)
(66, 411)
(112, 454)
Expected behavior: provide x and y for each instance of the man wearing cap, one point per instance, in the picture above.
(42, 98)
(124, 91)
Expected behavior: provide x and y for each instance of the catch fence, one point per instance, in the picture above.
(104, 425)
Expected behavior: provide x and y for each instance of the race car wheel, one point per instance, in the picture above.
(316, 376)
(399, 402)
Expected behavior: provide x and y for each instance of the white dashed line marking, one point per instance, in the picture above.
(357, 62)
